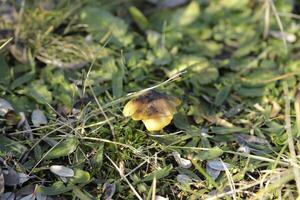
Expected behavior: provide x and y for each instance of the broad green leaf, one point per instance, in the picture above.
(241, 63)
(234, 4)
(161, 173)
(37, 152)
(139, 18)
(251, 92)
(207, 74)
(106, 71)
(57, 188)
(97, 160)
(64, 93)
(62, 90)
(80, 176)
(39, 92)
(248, 46)
(101, 22)
(5, 76)
(210, 154)
(64, 148)
(222, 95)
(117, 82)
(180, 121)
(161, 56)
(20, 81)
(153, 39)
(22, 103)
(82, 195)
(257, 77)
(224, 130)
(186, 15)
(10, 146)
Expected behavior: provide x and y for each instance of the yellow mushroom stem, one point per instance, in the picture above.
(157, 124)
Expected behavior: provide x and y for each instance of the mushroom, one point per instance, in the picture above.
(155, 109)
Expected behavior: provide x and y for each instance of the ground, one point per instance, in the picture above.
(68, 68)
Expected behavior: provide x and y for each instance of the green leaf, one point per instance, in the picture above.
(117, 82)
(187, 15)
(222, 95)
(57, 188)
(64, 148)
(20, 81)
(5, 76)
(80, 176)
(37, 152)
(209, 154)
(10, 146)
(22, 103)
(64, 93)
(161, 173)
(139, 18)
(97, 160)
(153, 39)
(251, 92)
(81, 195)
(162, 56)
(205, 70)
(257, 77)
(224, 130)
(181, 121)
(38, 91)
(101, 22)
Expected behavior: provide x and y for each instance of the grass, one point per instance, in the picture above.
(234, 65)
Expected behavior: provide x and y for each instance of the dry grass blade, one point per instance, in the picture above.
(230, 180)
(154, 180)
(290, 137)
(6, 43)
(267, 18)
(297, 110)
(279, 182)
(122, 176)
(44, 156)
(135, 94)
(103, 113)
(279, 22)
